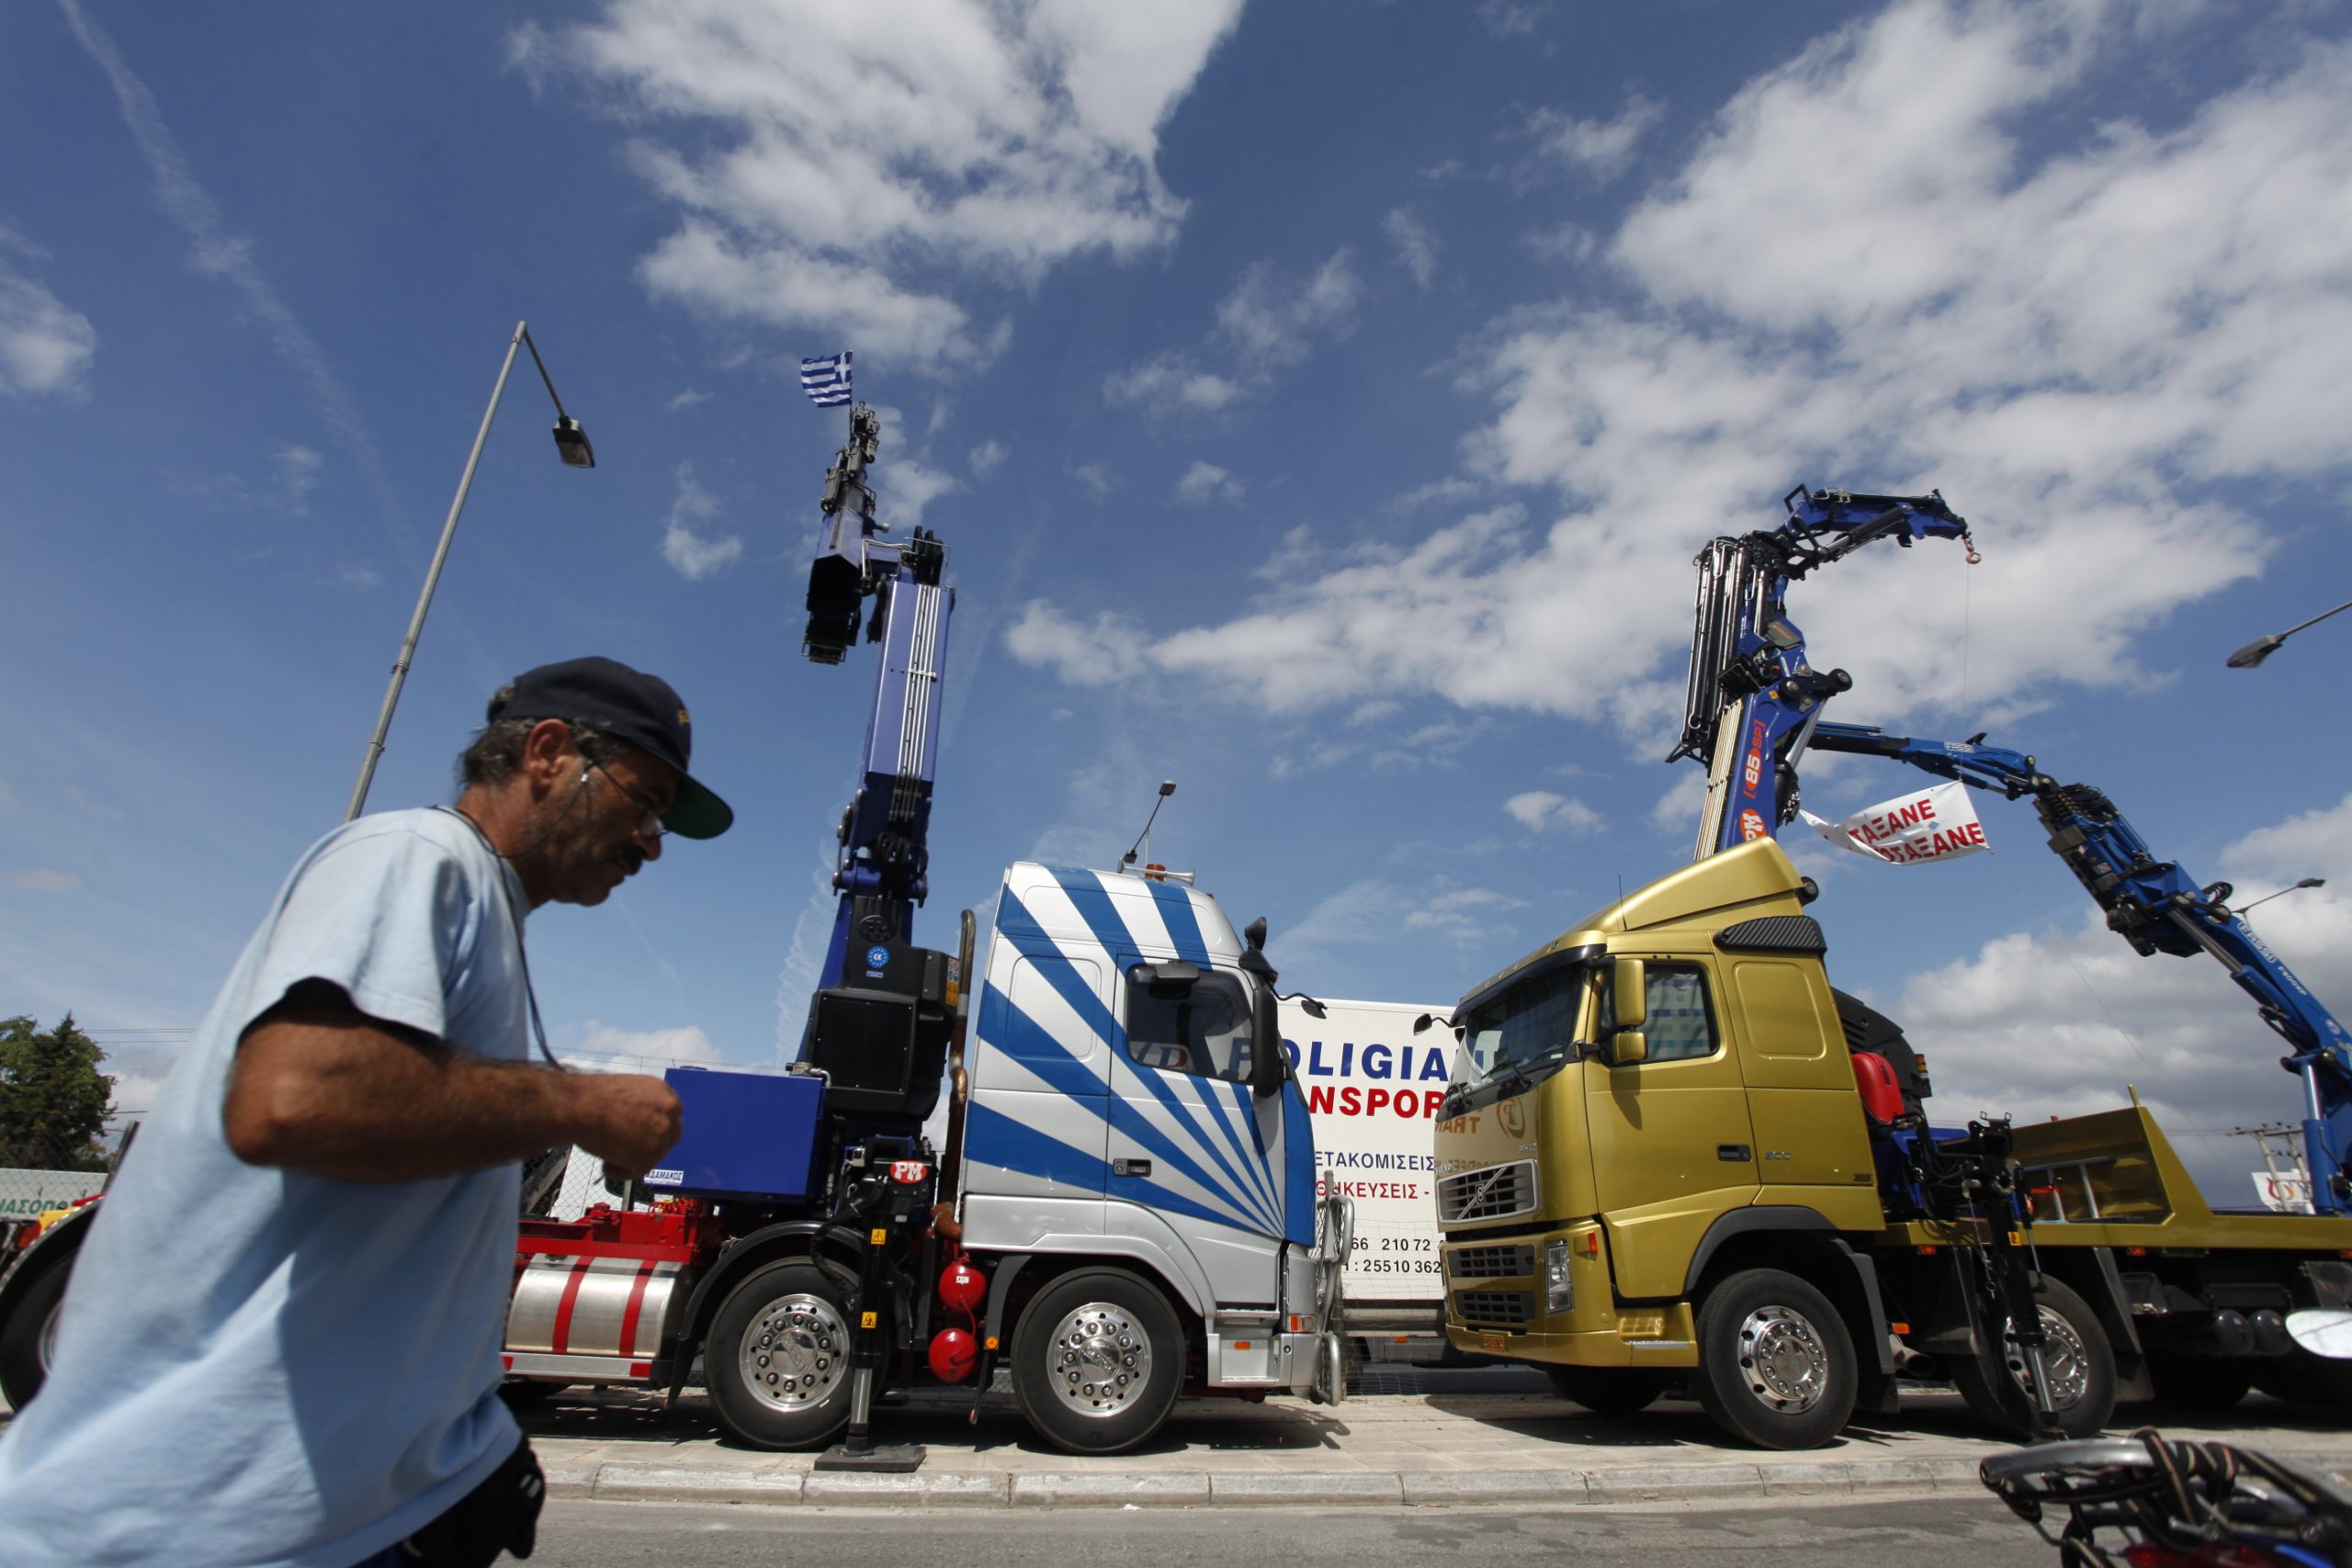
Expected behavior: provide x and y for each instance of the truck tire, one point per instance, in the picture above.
(2079, 1361)
(2199, 1383)
(1609, 1391)
(1098, 1359)
(1776, 1366)
(776, 1362)
(28, 1339)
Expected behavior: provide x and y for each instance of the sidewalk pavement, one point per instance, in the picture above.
(1492, 1436)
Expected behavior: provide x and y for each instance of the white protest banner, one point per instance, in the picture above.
(1935, 824)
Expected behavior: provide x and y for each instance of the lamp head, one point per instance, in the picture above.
(572, 444)
(2258, 650)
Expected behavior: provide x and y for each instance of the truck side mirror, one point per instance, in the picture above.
(1629, 994)
(1265, 1045)
(1628, 1047)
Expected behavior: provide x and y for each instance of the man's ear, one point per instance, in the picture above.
(549, 760)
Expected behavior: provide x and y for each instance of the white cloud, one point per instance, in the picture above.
(1268, 323)
(985, 458)
(1204, 482)
(687, 399)
(1096, 479)
(1510, 19)
(357, 579)
(694, 555)
(829, 160)
(1597, 150)
(906, 481)
(1539, 810)
(648, 1046)
(1562, 243)
(1373, 913)
(1097, 654)
(40, 879)
(297, 475)
(1170, 380)
(46, 346)
(1678, 807)
(2094, 346)
(1416, 244)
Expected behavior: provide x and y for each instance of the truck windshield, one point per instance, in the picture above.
(1534, 1021)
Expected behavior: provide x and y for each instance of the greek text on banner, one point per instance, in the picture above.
(1936, 824)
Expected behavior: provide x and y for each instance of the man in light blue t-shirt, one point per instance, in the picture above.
(281, 1343)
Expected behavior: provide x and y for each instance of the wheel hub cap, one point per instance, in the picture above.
(1784, 1359)
(794, 1354)
(2063, 1360)
(1101, 1360)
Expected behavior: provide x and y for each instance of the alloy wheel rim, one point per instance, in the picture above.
(796, 1352)
(1099, 1361)
(1784, 1359)
(2064, 1359)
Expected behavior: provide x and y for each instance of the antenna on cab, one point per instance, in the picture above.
(1153, 869)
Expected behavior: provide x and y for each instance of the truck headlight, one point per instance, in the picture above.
(1559, 1289)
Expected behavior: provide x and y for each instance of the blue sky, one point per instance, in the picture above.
(1321, 403)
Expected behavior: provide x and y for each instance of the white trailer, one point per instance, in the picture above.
(1373, 1091)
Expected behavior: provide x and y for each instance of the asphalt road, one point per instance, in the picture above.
(1980, 1532)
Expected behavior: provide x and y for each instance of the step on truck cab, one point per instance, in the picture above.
(1123, 1207)
(1674, 1156)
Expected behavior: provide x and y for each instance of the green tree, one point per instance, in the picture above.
(54, 1099)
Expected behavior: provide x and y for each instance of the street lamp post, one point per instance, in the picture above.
(2306, 882)
(571, 445)
(2262, 648)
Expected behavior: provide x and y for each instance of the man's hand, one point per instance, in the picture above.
(628, 1120)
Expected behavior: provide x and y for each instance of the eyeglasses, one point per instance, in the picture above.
(653, 826)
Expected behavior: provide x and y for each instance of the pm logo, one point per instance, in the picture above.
(1751, 825)
(877, 956)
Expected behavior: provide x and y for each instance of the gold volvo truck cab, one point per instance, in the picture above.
(1643, 1107)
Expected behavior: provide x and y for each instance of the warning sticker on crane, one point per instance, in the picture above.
(1935, 824)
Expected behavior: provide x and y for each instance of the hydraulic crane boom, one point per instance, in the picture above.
(880, 1021)
(1752, 694)
(2158, 907)
(885, 833)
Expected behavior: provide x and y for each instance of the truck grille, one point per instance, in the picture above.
(1492, 1262)
(1495, 1309)
(1496, 1192)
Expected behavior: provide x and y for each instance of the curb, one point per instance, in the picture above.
(628, 1482)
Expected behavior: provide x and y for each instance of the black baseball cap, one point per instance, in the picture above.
(630, 706)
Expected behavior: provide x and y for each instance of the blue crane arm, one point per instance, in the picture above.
(1752, 694)
(2158, 907)
(885, 834)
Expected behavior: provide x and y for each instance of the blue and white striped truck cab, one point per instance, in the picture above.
(1135, 1140)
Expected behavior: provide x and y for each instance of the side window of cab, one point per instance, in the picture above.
(1680, 1025)
(1203, 1031)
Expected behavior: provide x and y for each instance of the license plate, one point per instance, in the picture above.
(1494, 1341)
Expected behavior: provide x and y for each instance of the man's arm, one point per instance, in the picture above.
(320, 1087)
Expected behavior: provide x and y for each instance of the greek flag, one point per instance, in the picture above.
(826, 379)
